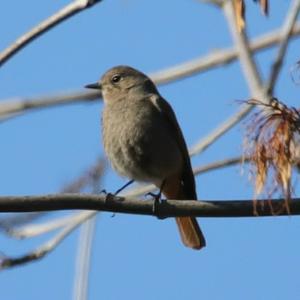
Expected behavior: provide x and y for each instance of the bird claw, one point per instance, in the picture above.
(103, 192)
(108, 196)
(157, 201)
(112, 197)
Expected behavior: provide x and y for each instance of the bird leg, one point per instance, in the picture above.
(157, 199)
(117, 191)
(123, 187)
(108, 195)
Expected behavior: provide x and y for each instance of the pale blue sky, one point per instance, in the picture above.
(140, 257)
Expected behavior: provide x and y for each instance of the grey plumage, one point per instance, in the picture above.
(144, 142)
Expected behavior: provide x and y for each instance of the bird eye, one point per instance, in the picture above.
(116, 78)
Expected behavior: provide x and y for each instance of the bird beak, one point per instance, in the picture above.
(96, 86)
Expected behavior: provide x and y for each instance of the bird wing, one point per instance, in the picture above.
(187, 176)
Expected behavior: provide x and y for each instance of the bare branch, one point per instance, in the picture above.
(33, 230)
(284, 36)
(220, 130)
(85, 241)
(8, 222)
(40, 252)
(83, 260)
(89, 177)
(13, 108)
(63, 14)
(249, 67)
(129, 205)
(227, 162)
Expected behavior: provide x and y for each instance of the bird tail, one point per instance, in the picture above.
(189, 229)
(190, 232)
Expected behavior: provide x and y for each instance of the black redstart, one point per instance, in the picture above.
(144, 142)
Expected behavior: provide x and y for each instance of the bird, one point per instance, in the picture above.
(143, 141)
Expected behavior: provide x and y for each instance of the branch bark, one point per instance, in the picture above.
(129, 205)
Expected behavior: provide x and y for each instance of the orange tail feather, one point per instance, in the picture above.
(190, 232)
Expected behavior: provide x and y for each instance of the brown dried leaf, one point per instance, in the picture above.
(264, 5)
(239, 8)
(272, 144)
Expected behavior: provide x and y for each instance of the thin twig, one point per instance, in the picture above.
(46, 248)
(11, 106)
(86, 237)
(219, 131)
(8, 223)
(89, 178)
(83, 260)
(33, 230)
(284, 36)
(63, 14)
(249, 67)
(220, 164)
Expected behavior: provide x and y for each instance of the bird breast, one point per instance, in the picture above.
(139, 141)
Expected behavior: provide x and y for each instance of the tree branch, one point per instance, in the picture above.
(32, 230)
(284, 35)
(218, 164)
(12, 108)
(83, 260)
(7, 223)
(248, 64)
(63, 14)
(129, 205)
(220, 130)
(44, 249)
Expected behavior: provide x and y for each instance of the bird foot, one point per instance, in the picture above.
(111, 197)
(156, 204)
